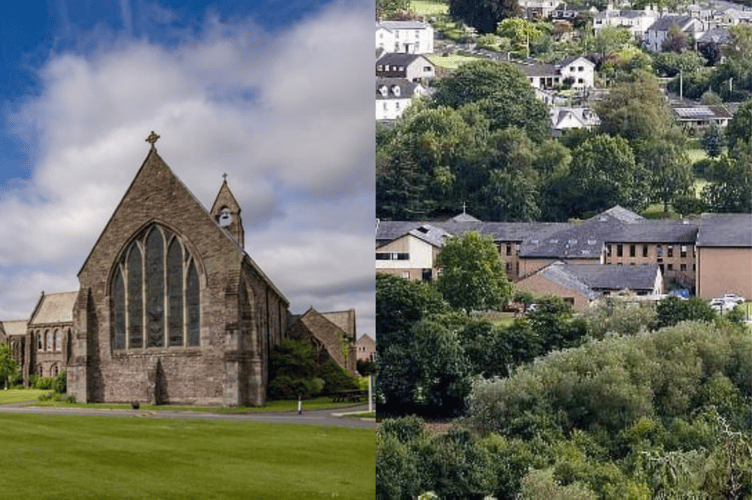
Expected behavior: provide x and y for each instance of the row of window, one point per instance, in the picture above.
(392, 256)
(54, 370)
(49, 341)
(659, 250)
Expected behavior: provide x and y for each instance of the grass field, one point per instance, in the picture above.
(451, 61)
(19, 395)
(91, 457)
(429, 8)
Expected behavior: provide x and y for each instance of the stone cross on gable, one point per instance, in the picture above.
(152, 139)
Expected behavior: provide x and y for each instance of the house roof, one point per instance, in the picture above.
(345, 320)
(664, 23)
(702, 112)
(534, 68)
(15, 327)
(717, 35)
(586, 117)
(597, 277)
(725, 230)
(569, 60)
(396, 88)
(402, 25)
(400, 59)
(54, 308)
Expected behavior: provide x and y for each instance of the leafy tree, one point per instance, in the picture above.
(739, 49)
(483, 15)
(501, 91)
(512, 196)
(730, 189)
(365, 367)
(401, 303)
(688, 205)
(668, 167)
(712, 141)
(8, 365)
(603, 173)
(386, 9)
(672, 310)
(671, 63)
(740, 126)
(521, 32)
(636, 109)
(609, 39)
(442, 379)
(471, 273)
(676, 40)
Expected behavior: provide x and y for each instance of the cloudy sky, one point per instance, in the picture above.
(277, 94)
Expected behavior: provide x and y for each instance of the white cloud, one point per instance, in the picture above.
(287, 115)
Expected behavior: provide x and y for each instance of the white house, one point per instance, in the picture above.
(576, 71)
(658, 31)
(567, 118)
(412, 255)
(394, 95)
(637, 21)
(412, 37)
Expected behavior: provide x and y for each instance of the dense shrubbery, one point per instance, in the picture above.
(295, 372)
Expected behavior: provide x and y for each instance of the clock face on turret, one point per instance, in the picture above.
(225, 217)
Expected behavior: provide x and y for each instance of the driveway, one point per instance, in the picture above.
(334, 417)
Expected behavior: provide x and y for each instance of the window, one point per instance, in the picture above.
(683, 251)
(40, 341)
(670, 251)
(669, 267)
(48, 341)
(619, 251)
(57, 340)
(608, 250)
(644, 250)
(682, 267)
(509, 249)
(631, 250)
(155, 294)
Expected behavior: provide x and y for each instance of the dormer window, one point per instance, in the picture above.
(396, 90)
(383, 91)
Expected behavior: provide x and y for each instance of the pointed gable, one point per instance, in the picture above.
(226, 211)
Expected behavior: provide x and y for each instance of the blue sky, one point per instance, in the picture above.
(277, 94)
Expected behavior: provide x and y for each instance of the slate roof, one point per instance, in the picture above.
(401, 25)
(702, 112)
(406, 88)
(589, 279)
(54, 308)
(14, 327)
(585, 116)
(725, 230)
(717, 35)
(399, 59)
(664, 23)
(538, 69)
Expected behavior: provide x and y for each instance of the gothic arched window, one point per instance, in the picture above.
(48, 341)
(155, 294)
(58, 344)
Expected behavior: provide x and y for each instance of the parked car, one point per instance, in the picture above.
(738, 299)
(723, 304)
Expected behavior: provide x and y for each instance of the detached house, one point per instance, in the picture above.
(576, 71)
(394, 95)
(411, 37)
(697, 118)
(413, 67)
(636, 21)
(658, 31)
(567, 118)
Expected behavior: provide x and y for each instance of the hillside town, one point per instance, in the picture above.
(563, 249)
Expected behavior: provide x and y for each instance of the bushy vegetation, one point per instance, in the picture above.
(295, 372)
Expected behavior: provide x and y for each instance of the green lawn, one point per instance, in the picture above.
(451, 61)
(98, 457)
(429, 8)
(19, 395)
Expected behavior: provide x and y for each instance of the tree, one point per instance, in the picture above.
(521, 32)
(712, 141)
(636, 109)
(672, 310)
(471, 273)
(502, 93)
(385, 9)
(730, 189)
(676, 40)
(740, 126)
(401, 303)
(483, 15)
(8, 365)
(668, 167)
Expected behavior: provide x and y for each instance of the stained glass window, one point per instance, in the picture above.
(156, 295)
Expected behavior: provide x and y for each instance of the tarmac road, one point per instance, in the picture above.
(311, 417)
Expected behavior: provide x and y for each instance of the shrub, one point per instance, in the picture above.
(336, 378)
(284, 387)
(41, 382)
(60, 383)
(405, 429)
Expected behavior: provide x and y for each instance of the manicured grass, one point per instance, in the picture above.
(309, 404)
(696, 154)
(97, 457)
(451, 61)
(19, 395)
(429, 8)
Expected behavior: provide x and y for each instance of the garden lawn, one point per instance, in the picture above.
(429, 8)
(104, 457)
(451, 61)
(19, 395)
